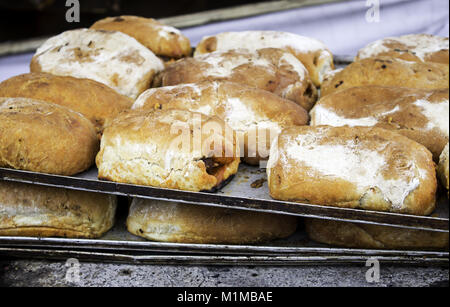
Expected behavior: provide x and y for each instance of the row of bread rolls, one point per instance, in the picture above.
(243, 84)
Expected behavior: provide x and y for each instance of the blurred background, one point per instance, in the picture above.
(22, 19)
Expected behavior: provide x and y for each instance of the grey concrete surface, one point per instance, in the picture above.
(53, 274)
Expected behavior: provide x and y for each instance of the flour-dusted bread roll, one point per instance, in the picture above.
(359, 167)
(421, 115)
(35, 211)
(173, 149)
(43, 137)
(414, 47)
(183, 223)
(111, 58)
(163, 40)
(94, 100)
(270, 69)
(256, 116)
(311, 52)
(443, 168)
(353, 235)
(387, 71)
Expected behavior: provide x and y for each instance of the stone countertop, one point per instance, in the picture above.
(44, 273)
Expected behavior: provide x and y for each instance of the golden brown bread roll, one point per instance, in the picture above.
(270, 69)
(414, 47)
(183, 223)
(257, 116)
(172, 149)
(111, 58)
(359, 167)
(387, 71)
(94, 100)
(161, 39)
(443, 167)
(42, 137)
(353, 235)
(421, 115)
(35, 211)
(311, 52)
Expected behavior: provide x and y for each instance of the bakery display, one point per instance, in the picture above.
(173, 149)
(360, 168)
(163, 40)
(34, 211)
(443, 167)
(351, 235)
(268, 69)
(312, 53)
(94, 100)
(413, 47)
(111, 58)
(255, 115)
(183, 223)
(386, 71)
(421, 115)
(47, 138)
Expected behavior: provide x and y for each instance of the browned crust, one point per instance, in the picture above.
(275, 80)
(296, 184)
(43, 137)
(387, 71)
(369, 101)
(182, 223)
(145, 31)
(352, 235)
(34, 211)
(94, 100)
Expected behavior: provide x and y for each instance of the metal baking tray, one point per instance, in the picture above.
(238, 194)
(118, 245)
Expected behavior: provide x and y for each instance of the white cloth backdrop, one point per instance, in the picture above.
(342, 26)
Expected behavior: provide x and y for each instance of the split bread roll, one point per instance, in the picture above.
(414, 47)
(163, 40)
(268, 69)
(171, 149)
(47, 138)
(387, 71)
(360, 168)
(94, 100)
(256, 116)
(443, 168)
(183, 223)
(351, 235)
(111, 58)
(421, 115)
(311, 52)
(34, 211)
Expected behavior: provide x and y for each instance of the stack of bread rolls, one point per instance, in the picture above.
(129, 95)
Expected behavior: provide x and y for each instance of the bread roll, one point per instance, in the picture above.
(360, 168)
(163, 40)
(256, 116)
(183, 223)
(387, 71)
(443, 168)
(311, 52)
(268, 69)
(94, 100)
(352, 235)
(47, 138)
(111, 58)
(414, 47)
(421, 115)
(34, 211)
(171, 149)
